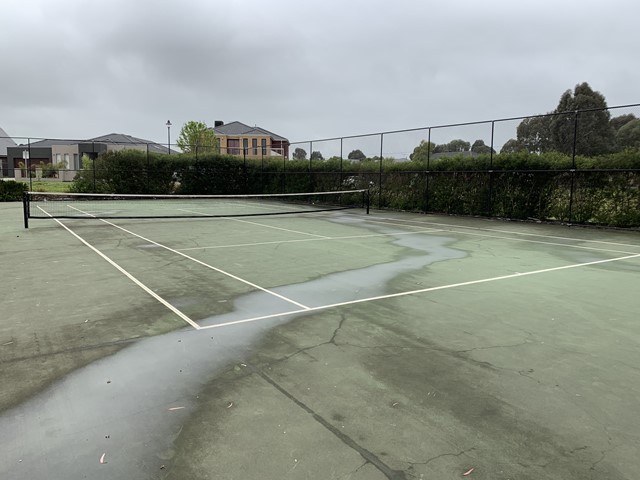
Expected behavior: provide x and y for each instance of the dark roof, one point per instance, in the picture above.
(239, 128)
(111, 138)
(123, 139)
(5, 142)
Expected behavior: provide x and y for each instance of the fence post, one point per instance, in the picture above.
(380, 173)
(29, 165)
(148, 168)
(284, 174)
(93, 154)
(341, 174)
(573, 165)
(426, 188)
(310, 186)
(490, 206)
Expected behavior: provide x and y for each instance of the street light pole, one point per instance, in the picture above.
(168, 136)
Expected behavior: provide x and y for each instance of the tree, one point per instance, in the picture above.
(357, 155)
(629, 135)
(457, 145)
(512, 146)
(595, 134)
(422, 151)
(316, 156)
(620, 121)
(480, 147)
(196, 137)
(534, 134)
(299, 154)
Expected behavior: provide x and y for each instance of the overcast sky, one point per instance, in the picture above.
(304, 69)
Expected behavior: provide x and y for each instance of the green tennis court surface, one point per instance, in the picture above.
(333, 345)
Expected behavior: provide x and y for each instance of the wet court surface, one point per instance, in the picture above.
(321, 346)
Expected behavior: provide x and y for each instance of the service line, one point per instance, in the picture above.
(128, 275)
(199, 262)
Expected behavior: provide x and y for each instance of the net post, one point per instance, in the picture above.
(367, 194)
(25, 208)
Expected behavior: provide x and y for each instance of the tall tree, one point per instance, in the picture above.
(480, 147)
(196, 137)
(629, 135)
(620, 121)
(299, 154)
(422, 151)
(512, 146)
(356, 155)
(534, 134)
(316, 155)
(594, 132)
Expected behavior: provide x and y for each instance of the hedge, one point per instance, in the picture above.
(11, 191)
(600, 190)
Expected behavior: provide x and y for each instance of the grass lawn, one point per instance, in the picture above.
(44, 186)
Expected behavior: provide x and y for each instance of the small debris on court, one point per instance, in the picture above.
(102, 460)
(468, 472)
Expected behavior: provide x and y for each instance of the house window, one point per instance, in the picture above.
(66, 160)
(76, 165)
(264, 146)
(245, 145)
(233, 146)
(254, 144)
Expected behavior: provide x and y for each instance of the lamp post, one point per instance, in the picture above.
(168, 124)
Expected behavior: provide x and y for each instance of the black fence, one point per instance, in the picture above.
(574, 167)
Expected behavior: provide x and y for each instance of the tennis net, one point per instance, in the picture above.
(114, 206)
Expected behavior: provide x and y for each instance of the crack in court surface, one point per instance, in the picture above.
(120, 404)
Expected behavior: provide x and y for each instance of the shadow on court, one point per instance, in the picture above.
(338, 346)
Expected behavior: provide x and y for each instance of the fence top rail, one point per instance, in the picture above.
(463, 124)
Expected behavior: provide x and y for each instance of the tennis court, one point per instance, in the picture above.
(328, 344)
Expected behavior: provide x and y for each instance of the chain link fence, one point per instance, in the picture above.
(573, 167)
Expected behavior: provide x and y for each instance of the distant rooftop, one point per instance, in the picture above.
(239, 128)
(111, 138)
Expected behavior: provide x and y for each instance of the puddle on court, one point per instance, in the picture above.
(120, 405)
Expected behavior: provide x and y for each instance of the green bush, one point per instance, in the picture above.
(11, 191)
(604, 190)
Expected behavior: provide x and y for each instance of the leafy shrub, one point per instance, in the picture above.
(11, 191)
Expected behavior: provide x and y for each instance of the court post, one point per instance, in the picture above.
(25, 208)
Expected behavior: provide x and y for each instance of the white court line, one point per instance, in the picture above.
(347, 237)
(259, 224)
(423, 290)
(242, 280)
(280, 228)
(129, 276)
(559, 237)
(452, 227)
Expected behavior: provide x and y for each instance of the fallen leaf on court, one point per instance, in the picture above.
(102, 460)
(230, 404)
(5, 344)
(175, 408)
(468, 472)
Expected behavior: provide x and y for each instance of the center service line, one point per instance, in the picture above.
(246, 282)
(129, 276)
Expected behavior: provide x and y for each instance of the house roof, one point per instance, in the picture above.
(240, 129)
(123, 139)
(5, 141)
(112, 138)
